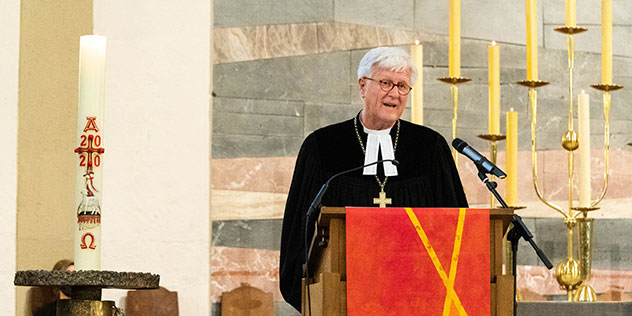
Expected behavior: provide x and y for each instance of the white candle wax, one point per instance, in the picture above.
(584, 149)
(89, 174)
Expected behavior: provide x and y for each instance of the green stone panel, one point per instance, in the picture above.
(320, 78)
(257, 124)
(503, 21)
(235, 146)
(587, 12)
(394, 13)
(258, 106)
(611, 246)
(590, 41)
(320, 115)
(561, 308)
(231, 13)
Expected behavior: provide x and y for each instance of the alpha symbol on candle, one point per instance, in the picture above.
(83, 241)
(91, 125)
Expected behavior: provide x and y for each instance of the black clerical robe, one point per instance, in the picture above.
(427, 177)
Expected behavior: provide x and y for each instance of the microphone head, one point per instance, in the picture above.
(395, 162)
(459, 144)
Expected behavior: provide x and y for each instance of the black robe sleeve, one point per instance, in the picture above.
(306, 182)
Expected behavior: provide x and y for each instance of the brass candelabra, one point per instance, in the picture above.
(454, 91)
(573, 275)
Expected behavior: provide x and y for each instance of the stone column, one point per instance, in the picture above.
(9, 58)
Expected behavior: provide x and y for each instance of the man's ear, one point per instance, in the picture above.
(362, 85)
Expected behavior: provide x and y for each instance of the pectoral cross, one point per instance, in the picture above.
(382, 200)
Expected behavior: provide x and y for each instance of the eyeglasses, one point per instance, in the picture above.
(387, 86)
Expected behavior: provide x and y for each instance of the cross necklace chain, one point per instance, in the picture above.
(382, 200)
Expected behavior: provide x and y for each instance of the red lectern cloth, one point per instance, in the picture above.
(402, 261)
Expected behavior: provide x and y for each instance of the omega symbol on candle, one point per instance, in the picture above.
(83, 241)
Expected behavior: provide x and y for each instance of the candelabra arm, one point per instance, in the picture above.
(455, 103)
(606, 138)
(534, 159)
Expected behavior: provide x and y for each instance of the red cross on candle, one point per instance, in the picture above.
(89, 149)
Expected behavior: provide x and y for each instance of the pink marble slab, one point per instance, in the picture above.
(268, 174)
(537, 279)
(230, 267)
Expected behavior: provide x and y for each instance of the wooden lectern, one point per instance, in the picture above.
(327, 265)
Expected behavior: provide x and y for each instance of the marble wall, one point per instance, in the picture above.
(280, 75)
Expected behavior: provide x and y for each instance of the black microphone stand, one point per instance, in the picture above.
(518, 231)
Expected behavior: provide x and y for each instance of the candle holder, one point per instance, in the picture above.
(454, 91)
(570, 30)
(573, 275)
(585, 293)
(567, 272)
(493, 150)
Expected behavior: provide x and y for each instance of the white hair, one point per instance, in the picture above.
(393, 58)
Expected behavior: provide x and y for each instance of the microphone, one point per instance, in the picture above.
(479, 160)
(319, 197)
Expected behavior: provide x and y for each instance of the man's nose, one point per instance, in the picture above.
(393, 92)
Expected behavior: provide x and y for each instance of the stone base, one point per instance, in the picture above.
(574, 309)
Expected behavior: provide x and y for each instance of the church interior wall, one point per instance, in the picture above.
(9, 59)
(47, 107)
(156, 180)
(281, 69)
(278, 69)
(156, 204)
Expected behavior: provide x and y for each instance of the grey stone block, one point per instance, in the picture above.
(611, 250)
(621, 66)
(371, 12)
(257, 124)
(590, 41)
(285, 309)
(513, 56)
(320, 115)
(229, 13)
(574, 309)
(508, 24)
(319, 78)
(235, 146)
(258, 106)
(355, 57)
(255, 128)
(257, 234)
(587, 12)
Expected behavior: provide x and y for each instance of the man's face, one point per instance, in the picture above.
(383, 108)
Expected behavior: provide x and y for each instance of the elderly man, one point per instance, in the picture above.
(425, 177)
